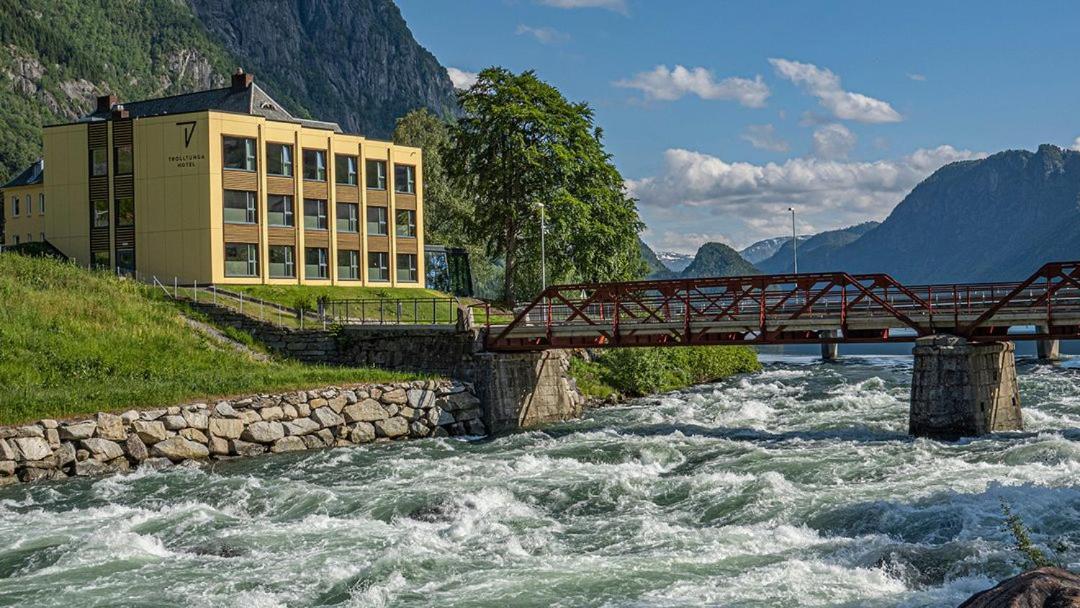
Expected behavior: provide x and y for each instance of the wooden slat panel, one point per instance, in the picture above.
(347, 194)
(122, 133)
(239, 180)
(99, 239)
(405, 201)
(406, 245)
(378, 243)
(281, 236)
(97, 135)
(125, 237)
(315, 190)
(280, 185)
(99, 188)
(241, 233)
(377, 197)
(348, 240)
(123, 186)
(316, 238)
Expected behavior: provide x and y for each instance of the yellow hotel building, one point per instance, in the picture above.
(23, 204)
(225, 186)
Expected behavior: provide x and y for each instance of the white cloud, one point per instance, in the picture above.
(544, 35)
(461, 78)
(917, 77)
(670, 84)
(1075, 145)
(745, 202)
(764, 137)
(833, 141)
(825, 85)
(618, 6)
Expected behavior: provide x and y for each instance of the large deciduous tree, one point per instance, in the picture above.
(520, 144)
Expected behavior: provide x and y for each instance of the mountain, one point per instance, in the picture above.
(763, 250)
(655, 267)
(354, 62)
(718, 260)
(349, 61)
(675, 261)
(995, 219)
(782, 261)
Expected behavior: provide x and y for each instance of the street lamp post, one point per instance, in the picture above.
(543, 253)
(794, 240)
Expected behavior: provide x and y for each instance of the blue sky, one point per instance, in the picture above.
(721, 115)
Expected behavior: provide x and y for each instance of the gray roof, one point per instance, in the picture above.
(251, 100)
(34, 174)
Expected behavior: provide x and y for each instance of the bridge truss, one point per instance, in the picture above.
(792, 309)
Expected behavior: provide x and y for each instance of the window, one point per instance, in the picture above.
(101, 213)
(238, 153)
(16, 239)
(125, 215)
(315, 165)
(29, 205)
(282, 263)
(100, 259)
(99, 162)
(124, 166)
(240, 207)
(376, 221)
(41, 204)
(405, 179)
(314, 214)
(125, 260)
(346, 169)
(348, 265)
(348, 217)
(42, 237)
(315, 263)
(241, 260)
(405, 226)
(406, 267)
(15, 206)
(279, 159)
(376, 174)
(378, 266)
(280, 210)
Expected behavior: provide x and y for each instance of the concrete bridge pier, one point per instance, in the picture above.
(525, 390)
(963, 389)
(1048, 350)
(830, 352)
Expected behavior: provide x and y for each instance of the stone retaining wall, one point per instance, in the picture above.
(248, 426)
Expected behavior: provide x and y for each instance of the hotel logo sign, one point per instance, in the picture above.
(185, 160)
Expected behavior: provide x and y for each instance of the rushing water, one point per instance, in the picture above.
(793, 487)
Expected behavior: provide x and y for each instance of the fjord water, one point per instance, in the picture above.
(793, 487)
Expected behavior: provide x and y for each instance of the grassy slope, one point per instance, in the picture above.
(74, 342)
(643, 371)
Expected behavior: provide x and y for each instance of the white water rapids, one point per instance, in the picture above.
(793, 487)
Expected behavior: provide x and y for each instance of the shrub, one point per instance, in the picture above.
(644, 371)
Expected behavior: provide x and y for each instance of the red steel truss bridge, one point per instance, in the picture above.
(814, 308)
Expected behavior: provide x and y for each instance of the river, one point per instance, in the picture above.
(793, 487)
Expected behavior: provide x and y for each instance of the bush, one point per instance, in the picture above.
(645, 371)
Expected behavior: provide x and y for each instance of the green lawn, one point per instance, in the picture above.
(419, 305)
(75, 342)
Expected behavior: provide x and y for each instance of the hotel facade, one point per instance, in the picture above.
(225, 186)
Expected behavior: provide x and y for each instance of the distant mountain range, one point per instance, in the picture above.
(675, 261)
(783, 260)
(711, 260)
(763, 250)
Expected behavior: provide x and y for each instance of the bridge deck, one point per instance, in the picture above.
(792, 309)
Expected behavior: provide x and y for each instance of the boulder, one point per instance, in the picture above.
(326, 417)
(136, 448)
(420, 398)
(196, 419)
(177, 448)
(290, 411)
(368, 410)
(272, 413)
(227, 428)
(263, 432)
(111, 427)
(301, 426)
(150, 415)
(396, 396)
(30, 430)
(246, 448)
(317, 403)
(129, 416)
(7, 451)
(419, 429)
(102, 449)
(150, 431)
(288, 444)
(362, 432)
(77, 431)
(391, 427)
(462, 401)
(443, 417)
(7, 468)
(218, 446)
(1041, 588)
(463, 415)
(32, 448)
(174, 423)
(409, 413)
(194, 435)
(337, 403)
(224, 409)
(65, 454)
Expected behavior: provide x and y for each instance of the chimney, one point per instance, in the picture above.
(106, 102)
(119, 112)
(241, 81)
